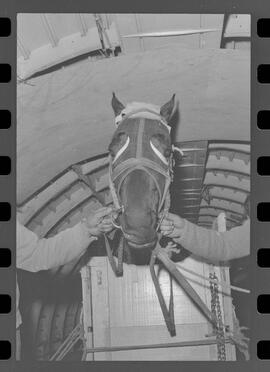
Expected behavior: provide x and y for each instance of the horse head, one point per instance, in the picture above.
(140, 168)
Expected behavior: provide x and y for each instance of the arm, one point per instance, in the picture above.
(34, 254)
(209, 244)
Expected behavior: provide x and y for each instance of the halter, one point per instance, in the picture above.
(124, 168)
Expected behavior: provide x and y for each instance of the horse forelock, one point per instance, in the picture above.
(140, 105)
(140, 109)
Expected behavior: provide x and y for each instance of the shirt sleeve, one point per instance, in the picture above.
(34, 254)
(216, 246)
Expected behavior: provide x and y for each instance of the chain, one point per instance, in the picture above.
(216, 311)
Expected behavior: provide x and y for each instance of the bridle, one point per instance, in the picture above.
(117, 173)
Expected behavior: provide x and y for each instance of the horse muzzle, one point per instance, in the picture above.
(134, 242)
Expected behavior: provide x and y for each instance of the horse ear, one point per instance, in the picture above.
(167, 109)
(117, 105)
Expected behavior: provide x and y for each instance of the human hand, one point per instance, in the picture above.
(99, 221)
(171, 226)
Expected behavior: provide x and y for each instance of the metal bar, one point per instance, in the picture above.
(104, 31)
(69, 347)
(190, 165)
(185, 191)
(192, 193)
(98, 20)
(189, 199)
(188, 149)
(139, 29)
(155, 346)
(190, 206)
(189, 213)
(74, 336)
(224, 25)
(190, 179)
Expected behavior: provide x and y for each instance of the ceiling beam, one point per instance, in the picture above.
(82, 25)
(49, 30)
(23, 49)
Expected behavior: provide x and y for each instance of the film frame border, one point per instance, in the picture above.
(260, 184)
(7, 191)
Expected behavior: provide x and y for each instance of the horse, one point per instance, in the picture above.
(140, 174)
(141, 169)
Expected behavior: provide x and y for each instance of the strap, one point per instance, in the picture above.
(185, 285)
(145, 109)
(117, 269)
(168, 314)
(112, 188)
(131, 163)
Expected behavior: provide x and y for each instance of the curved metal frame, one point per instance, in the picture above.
(70, 212)
(215, 216)
(58, 176)
(231, 171)
(222, 209)
(239, 189)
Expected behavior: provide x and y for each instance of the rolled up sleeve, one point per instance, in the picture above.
(216, 246)
(34, 254)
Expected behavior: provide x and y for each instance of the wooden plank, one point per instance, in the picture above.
(87, 308)
(126, 312)
(130, 314)
(101, 314)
